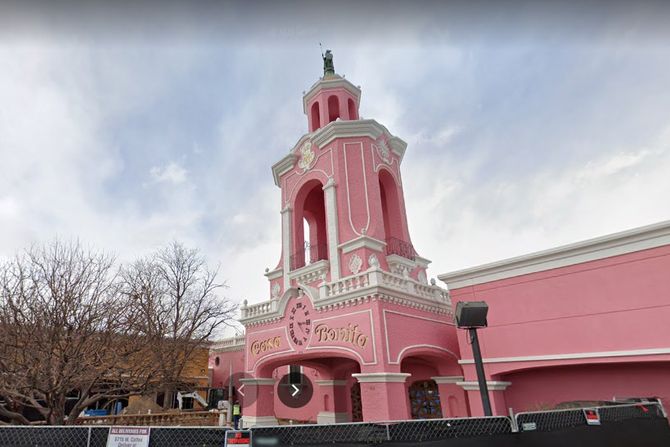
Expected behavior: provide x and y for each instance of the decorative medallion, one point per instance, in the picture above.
(307, 157)
(383, 151)
(355, 264)
(276, 288)
(373, 262)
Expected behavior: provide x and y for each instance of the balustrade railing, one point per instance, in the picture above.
(311, 253)
(395, 246)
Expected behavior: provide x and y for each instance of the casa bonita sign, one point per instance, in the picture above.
(347, 334)
(260, 346)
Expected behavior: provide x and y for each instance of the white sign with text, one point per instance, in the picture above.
(128, 437)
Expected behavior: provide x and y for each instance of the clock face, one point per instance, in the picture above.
(299, 324)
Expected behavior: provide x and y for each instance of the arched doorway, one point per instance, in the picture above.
(356, 403)
(424, 399)
(331, 383)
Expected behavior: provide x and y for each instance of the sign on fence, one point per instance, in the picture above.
(238, 437)
(128, 437)
(592, 416)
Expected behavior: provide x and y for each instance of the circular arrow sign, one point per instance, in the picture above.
(295, 393)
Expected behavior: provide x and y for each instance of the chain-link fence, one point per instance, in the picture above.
(25, 436)
(560, 419)
(379, 432)
(352, 434)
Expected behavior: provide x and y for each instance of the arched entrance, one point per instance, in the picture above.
(312, 388)
(424, 399)
(432, 389)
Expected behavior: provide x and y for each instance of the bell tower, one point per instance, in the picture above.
(343, 208)
(349, 297)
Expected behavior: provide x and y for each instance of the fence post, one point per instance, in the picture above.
(512, 419)
(388, 432)
(660, 404)
(88, 439)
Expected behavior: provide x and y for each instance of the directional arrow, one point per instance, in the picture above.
(239, 390)
(297, 390)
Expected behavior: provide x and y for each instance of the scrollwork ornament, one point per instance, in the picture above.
(307, 157)
(355, 264)
(383, 151)
(276, 288)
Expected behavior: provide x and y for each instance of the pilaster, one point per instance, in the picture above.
(286, 244)
(332, 229)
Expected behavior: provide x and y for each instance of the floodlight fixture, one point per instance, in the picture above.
(471, 315)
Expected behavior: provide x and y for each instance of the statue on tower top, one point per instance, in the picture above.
(328, 66)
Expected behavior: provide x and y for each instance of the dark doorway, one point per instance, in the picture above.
(424, 398)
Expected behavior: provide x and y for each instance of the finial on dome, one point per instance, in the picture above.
(328, 66)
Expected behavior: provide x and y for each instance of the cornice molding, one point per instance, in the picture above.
(357, 128)
(330, 382)
(630, 241)
(572, 356)
(328, 84)
(259, 381)
(275, 274)
(381, 377)
(283, 166)
(447, 379)
(493, 385)
(362, 242)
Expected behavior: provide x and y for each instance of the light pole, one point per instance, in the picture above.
(471, 315)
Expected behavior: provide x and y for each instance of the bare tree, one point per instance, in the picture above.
(177, 299)
(69, 339)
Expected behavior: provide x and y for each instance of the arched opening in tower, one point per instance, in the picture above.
(333, 108)
(396, 242)
(310, 226)
(314, 114)
(353, 115)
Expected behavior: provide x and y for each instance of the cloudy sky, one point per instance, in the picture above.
(529, 125)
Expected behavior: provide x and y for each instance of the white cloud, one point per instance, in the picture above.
(171, 173)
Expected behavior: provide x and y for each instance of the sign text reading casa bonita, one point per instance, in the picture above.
(347, 334)
(260, 346)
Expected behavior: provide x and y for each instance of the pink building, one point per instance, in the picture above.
(587, 321)
(353, 330)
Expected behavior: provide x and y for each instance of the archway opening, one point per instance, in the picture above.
(353, 115)
(310, 238)
(315, 117)
(396, 242)
(328, 383)
(333, 108)
(428, 397)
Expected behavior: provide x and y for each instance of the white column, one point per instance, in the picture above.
(286, 244)
(331, 222)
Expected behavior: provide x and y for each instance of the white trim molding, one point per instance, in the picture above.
(382, 377)
(275, 274)
(283, 166)
(493, 385)
(637, 239)
(258, 381)
(327, 83)
(258, 421)
(447, 379)
(330, 382)
(330, 417)
(572, 356)
(362, 242)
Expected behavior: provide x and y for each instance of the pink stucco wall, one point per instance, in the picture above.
(616, 305)
(536, 388)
